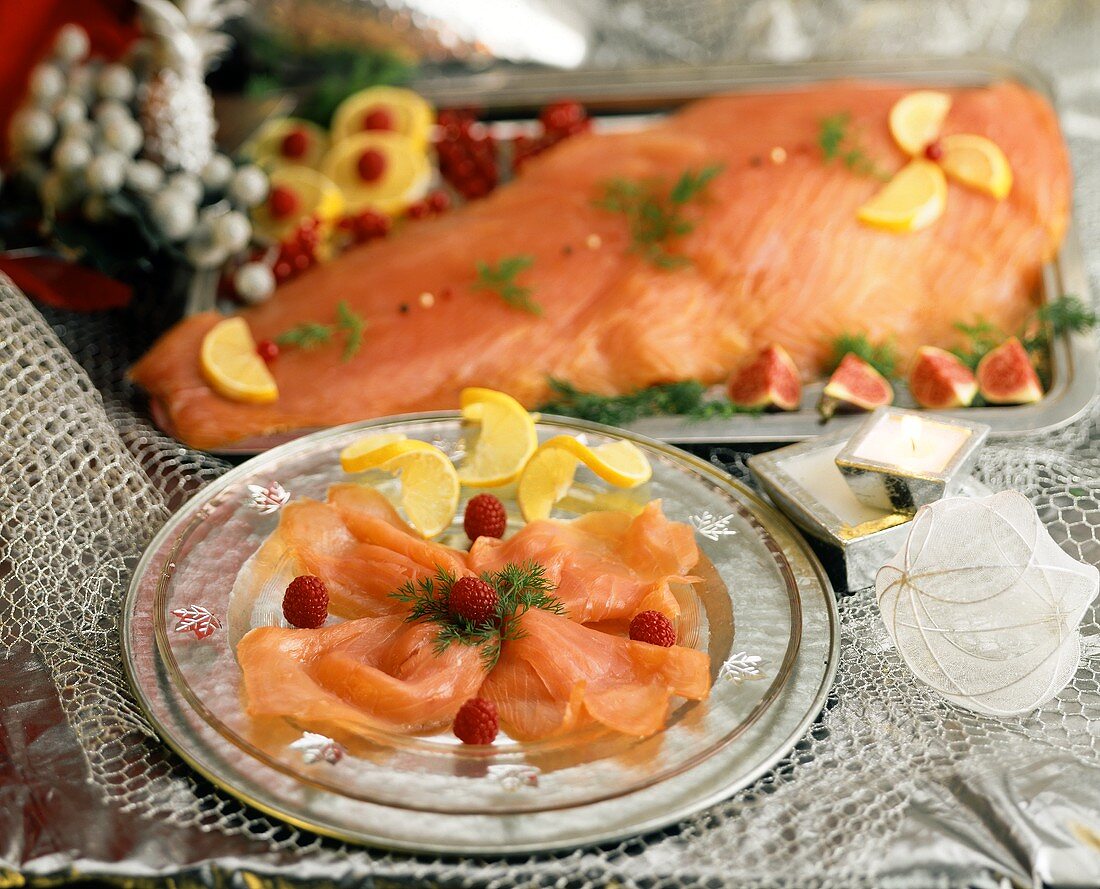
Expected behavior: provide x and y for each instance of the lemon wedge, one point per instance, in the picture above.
(380, 109)
(287, 140)
(505, 442)
(311, 194)
(912, 200)
(546, 479)
(231, 366)
(357, 456)
(429, 483)
(619, 462)
(977, 162)
(916, 119)
(381, 171)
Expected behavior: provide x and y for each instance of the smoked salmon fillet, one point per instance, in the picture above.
(777, 255)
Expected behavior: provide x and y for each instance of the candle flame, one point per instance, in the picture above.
(911, 430)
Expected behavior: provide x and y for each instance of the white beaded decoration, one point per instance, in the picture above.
(32, 130)
(69, 110)
(116, 82)
(46, 84)
(71, 43)
(123, 135)
(232, 231)
(144, 176)
(248, 186)
(106, 172)
(173, 214)
(71, 154)
(254, 282)
(217, 172)
(186, 185)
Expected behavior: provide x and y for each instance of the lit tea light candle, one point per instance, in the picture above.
(901, 460)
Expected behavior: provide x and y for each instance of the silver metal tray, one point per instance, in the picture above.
(623, 97)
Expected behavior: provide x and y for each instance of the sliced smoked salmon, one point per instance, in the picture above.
(777, 255)
(604, 565)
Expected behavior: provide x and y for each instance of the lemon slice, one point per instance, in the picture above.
(429, 483)
(619, 462)
(381, 171)
(384, 109)
(313, 194)
(912, 200)
(356, 457)
(231, 366)
(546, 479)
(977, 162)
(505, 443)
(287, 140)
(916, 119)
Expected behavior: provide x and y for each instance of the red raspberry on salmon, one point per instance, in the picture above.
(654, 628)
(473, 599)
(477, 722)
(305, 602)
(485, 516)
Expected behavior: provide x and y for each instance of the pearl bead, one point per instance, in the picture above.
(82, 83)
(116, 82)
(32, 130)
(106, 173)
(124, 135)
(84, 130)
(69, 110)
(217, 172)
(173, 214)
(203, 250)
(47, 83)
(71, 43)
(110, 110)
(248, 186)
(144, 176)
(71, 154)
(254, 282)
(232, 231)
(186, 185)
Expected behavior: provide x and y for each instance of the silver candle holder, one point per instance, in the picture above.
(900, 460)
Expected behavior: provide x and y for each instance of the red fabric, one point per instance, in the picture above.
(27, 29)
(65, 285)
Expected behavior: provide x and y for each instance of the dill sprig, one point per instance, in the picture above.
(519, 588)
(654, 218)
(1065, 314)
(837, 142)
(686, 398)
(980, 337)
(312, 334)
(501, 280)
(881, 356)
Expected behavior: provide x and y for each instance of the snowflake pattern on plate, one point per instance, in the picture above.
(268, 499)
(196, 619)
(711, 526)
(514, 777)
(741, 667)
(318, 748)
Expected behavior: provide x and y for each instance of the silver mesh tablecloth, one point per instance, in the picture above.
(892, 787)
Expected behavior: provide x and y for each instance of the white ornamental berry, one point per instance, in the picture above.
(71, 154)
(249, 186)
(109, 110)
(144, 176)
(84, 130)
(71, 43)
(106, 173)
(47, 83)
(254, 282)
(173, 214)
(82, 83)
(203, 249)
(32, 130)
(217, 172)
(68, 110)
(124, 135)
(186, 185)
(232, 231)
(116, 82)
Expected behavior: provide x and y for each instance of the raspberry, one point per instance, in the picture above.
(371, 165)
(268, 350)
(654, 628)
(295, 144)
(378, 118)
(305, 602)
(476, 722)
(485, 517)
(473, 599)
(282, 202)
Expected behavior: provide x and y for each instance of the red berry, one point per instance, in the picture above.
(933, 150)
(438, 201)
(562, 116)
(477, 722)
(417, 210)
(372, 224)
(371, 165)
(282, 271)
(302, 262)
(485, 517)
(282, 202)
(378, 118)
(305, 602)
(295, 144)
(654, 628)
(473, 599)
(267, 350)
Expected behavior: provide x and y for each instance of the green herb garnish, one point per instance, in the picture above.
(837, 142)
(686, 398)
(653, 217)
(311, 334)
(881, 356)
(501, 280)
(1066, 314)
(519, 588)
(980, 338)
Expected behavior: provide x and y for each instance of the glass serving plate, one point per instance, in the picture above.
(746, 613)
